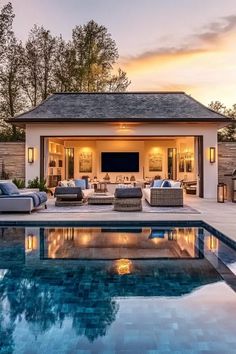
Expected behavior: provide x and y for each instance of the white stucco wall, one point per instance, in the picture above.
(208, 131)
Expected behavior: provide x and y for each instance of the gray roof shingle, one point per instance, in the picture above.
(127, 106)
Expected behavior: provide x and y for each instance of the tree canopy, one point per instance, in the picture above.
(31, 71)
(228, 133)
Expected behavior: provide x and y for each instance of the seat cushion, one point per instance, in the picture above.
(80, 183)
(157, 183)
(9, 188)
(64, 191)
(135, 192)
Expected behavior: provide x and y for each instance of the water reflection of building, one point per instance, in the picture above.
(102, 243)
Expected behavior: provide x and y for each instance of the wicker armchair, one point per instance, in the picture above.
(169, 197)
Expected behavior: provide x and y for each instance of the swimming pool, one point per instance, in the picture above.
(108, 288)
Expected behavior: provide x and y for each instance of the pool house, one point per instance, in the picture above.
(123, 136)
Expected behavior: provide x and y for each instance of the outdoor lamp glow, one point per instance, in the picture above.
(220, 193)
(212, 154)
(30, 155)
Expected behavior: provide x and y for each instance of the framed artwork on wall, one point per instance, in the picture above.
(85, 162)
(189, 165)
(155, 162)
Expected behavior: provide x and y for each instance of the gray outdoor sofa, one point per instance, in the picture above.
(13, 200)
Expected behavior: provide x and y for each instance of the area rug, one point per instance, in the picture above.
(186, 209)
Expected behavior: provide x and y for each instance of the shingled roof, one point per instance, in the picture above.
(127, 106)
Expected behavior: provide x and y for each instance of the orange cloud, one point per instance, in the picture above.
(204, 66)
(208, 40)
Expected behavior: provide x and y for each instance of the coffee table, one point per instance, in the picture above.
(101, 198)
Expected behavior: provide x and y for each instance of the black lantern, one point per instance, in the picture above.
(30, 154)
(221, 193)
(212, 154)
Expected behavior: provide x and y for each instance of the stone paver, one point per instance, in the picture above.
(220, 216)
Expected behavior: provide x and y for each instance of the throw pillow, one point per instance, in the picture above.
(80, 183)
(165, 184)
(86, 178)
(71, 183)
(9, 188)
(157, 183)
(63, 183)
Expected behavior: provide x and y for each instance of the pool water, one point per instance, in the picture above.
(112, 289)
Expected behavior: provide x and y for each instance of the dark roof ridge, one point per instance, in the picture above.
(117, 93)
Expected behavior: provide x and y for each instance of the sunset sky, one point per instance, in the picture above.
(187, 45)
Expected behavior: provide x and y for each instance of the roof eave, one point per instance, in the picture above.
(120, 120)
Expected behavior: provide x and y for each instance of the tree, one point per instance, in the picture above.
(228, 133)
(10, 72)
(65, 66)
(45, 64)
(6, 20)
(95, 54)
(38, 56)
(119, 82)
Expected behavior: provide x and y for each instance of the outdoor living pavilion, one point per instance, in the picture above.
(132, 134)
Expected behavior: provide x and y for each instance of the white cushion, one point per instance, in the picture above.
(63, 183)
(71, 183)
(175, 184)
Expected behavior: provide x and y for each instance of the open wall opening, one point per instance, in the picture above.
(141, 159)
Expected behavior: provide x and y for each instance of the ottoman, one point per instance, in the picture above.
(100, 199)
(128, 199)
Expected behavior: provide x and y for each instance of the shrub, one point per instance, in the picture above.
(20, 183)
(38, 183)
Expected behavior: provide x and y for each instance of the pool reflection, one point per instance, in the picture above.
(102, 243)
(45, 297)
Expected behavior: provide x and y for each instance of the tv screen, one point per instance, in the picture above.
(120, 162)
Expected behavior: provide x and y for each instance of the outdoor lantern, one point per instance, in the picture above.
(220, 193)
(30, 155)
(212, 154)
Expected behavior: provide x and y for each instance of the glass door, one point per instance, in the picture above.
(69, 163)
(172, 163)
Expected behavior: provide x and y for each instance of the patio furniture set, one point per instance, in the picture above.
(125, 197)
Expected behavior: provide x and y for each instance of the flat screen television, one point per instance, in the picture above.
(120, 162)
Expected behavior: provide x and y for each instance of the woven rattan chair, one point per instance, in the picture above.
(128, 199)
(169, 197)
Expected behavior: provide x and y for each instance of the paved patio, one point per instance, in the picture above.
(220, 216)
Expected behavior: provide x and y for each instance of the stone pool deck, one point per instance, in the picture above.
(220, 216)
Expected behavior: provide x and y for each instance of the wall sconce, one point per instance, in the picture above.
(30, 155)
(212, 154)
(30, 243)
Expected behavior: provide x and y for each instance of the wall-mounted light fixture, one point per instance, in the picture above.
(30, 154)
(212, 154)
